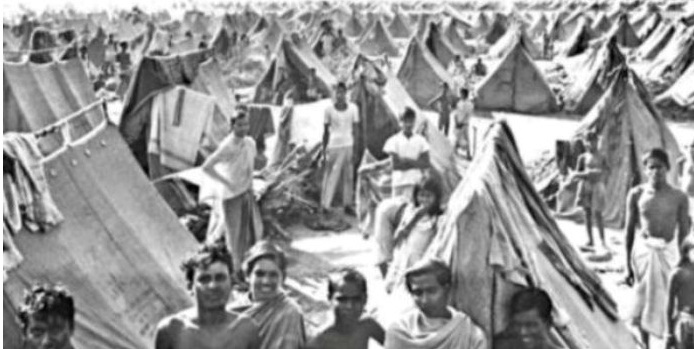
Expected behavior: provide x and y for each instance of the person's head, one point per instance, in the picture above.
(444, 86)
(188, 34)
(240, 124)
(479, 60)
(687, 251)
(590, 140)
(531, 316)
(289, 98)
(83, 52)
(407, 120)
(202, 45)
(657, 165)
(208, 275)
(428, 193)
(464, 93)
(123, 46)
(339, 32)
(47, 317)
(429, 282)
(265, 268)
(347, 294)
(312, 73)
(341, 92)
(457, 58)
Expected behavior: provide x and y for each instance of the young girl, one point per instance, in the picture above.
(680, 308)
(415, 230)
(590, 171)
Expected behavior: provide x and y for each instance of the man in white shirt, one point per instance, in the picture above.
(341, 120)
(410, 155)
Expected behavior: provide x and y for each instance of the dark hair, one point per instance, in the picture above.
(464, 92)
(47, 300)
(432, 185)
(657, 154)
(409, 114)
(265, 250)
(204, 257)
(532, 298)
(123, 45)
(241, 113)
(341, 85)
(430, 266)
(346, 275)
(687, 245)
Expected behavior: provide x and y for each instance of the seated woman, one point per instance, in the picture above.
(415, 231)
(280, 320)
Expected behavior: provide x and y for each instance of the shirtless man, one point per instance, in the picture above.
(590, 172)
(350, 330)
(659, 211)
(208, 325)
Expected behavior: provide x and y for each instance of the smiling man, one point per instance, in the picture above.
(433, 324)
(530, 324)
(48, 318)
(208, 325)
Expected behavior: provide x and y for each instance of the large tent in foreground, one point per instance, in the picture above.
(118, 245)
(499, 237)
(516, 85)
(629, 125)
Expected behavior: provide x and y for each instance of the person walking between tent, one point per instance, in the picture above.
(238, 220)
(433, 324)
(590, 170)
(340, 120)
(659, 212)
(443, 103)
(462, 114)
(350, 330)
(47, 318)
(208, 324)
(680, 309)
(479, 68)
(409, 153)
(531, 322)
(416, 229)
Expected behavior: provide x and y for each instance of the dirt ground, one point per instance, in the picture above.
(314, 254)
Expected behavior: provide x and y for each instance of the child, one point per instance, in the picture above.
(680, 308)
(350, 330)
(590, 170)
(415, 231)
(461, 122)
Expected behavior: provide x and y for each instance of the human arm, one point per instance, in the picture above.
(163, 338)
(326, 131)
(632, 212)
(376, 332)
(673, 289)
(683, 221)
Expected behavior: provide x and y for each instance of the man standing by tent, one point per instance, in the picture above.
(208, 324)
(410, 155)
(443, 102)
(341, 118)
(48, 318)
(433, 324)
(660, 213)
(231, 167)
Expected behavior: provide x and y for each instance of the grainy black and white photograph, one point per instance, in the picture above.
(348, 174)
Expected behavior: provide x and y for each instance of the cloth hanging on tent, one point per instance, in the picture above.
(27, 201)
(260, 119)
(178, 122)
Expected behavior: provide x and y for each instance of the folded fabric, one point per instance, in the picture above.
(28, 194)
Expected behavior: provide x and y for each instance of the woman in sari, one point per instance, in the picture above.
(279, 317)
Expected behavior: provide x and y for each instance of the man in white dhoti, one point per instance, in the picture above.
(657, 215)
(433, 324)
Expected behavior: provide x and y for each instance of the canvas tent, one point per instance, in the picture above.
(677, 102)
(439, 45)
(655, 43)
(624, 33)
(516, 85)
(296, 58)
(118, 246)
(499, 237)
(456, 40)
(271, 35)
(674, 59)
(399, 27)
(353, 27)
(496, 30)
(592, 80)
(377, 41)
(421, 74)
(512, 37)
(629, 125)
(579, 40)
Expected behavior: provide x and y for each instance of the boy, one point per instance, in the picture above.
(531, 322)
(208, 324)
(347, 294)
(48, 318)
